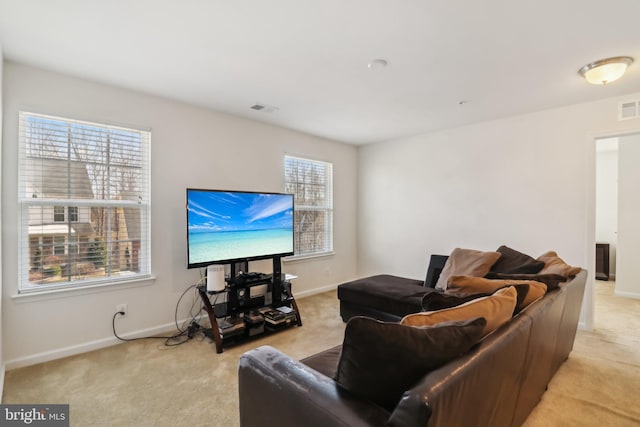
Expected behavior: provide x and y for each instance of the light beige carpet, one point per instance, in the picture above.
(145, 384)
(599, 385)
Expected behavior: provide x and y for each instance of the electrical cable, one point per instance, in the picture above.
(175, 317)
(182, 332)
(168, 339)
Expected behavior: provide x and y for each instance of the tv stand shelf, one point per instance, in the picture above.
(244, 316)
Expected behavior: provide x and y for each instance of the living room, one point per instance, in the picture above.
(525, 178)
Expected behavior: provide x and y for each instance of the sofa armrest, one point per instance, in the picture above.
(275, 389)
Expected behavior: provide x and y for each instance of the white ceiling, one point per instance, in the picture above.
(309, 57)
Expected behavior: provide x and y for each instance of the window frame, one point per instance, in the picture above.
(74, 210)
(59, 213)
(327, 208)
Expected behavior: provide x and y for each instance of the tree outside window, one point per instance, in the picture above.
(311, 183)
(84, 196)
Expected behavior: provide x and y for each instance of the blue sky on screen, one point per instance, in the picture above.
(220, 211)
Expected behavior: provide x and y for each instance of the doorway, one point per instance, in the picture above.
(606, 207)
(617, 209)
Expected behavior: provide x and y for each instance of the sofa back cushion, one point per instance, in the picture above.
(380, 360)
(497, 309)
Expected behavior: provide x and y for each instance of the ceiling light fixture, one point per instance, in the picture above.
(605, 70)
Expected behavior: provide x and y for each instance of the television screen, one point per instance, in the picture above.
(232, 226)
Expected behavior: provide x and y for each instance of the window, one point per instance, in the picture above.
(84, 202)
(73, 213)
(311, 183)
(58, 245)
(58, 213)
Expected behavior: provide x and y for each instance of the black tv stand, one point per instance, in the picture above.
(244, 316)
(241, 268)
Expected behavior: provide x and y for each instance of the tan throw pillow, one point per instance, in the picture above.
(553, 264)
(496, 309)
(465, 285)
(536, 291)
(466, 262)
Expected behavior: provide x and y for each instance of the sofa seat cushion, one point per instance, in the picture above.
(382, 360)
(391, 294)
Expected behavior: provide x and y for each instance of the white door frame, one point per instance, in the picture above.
(588, 307)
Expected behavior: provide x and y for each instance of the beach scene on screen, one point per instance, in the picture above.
(230, 225)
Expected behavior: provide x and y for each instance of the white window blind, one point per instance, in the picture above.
(85, 201)
(311, 183)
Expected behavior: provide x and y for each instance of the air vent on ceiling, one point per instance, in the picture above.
(263, 107)
(628, 110)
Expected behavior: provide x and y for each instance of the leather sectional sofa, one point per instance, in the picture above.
(497, 383)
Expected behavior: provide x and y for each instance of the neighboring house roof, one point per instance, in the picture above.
(132, 220)
(48, 178)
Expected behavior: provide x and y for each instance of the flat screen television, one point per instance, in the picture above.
(225, 227)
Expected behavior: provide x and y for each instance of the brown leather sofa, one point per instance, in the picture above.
(497, 383)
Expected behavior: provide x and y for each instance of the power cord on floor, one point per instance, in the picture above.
(184, 334)
(168, 339)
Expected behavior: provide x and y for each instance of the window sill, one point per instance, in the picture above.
(47, 294)
(308, 257)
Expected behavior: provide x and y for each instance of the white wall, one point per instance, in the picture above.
(628, 273)
(526, 181)
(191, 147)
(607, 197)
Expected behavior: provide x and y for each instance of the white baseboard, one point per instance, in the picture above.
(110, 341)
(84, 347)
(304, 294)
(624, 294)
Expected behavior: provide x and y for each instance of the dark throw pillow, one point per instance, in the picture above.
(382, 360)
(438, 300)
(514, 262)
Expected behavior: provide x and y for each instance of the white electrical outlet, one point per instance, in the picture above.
(122, 308)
